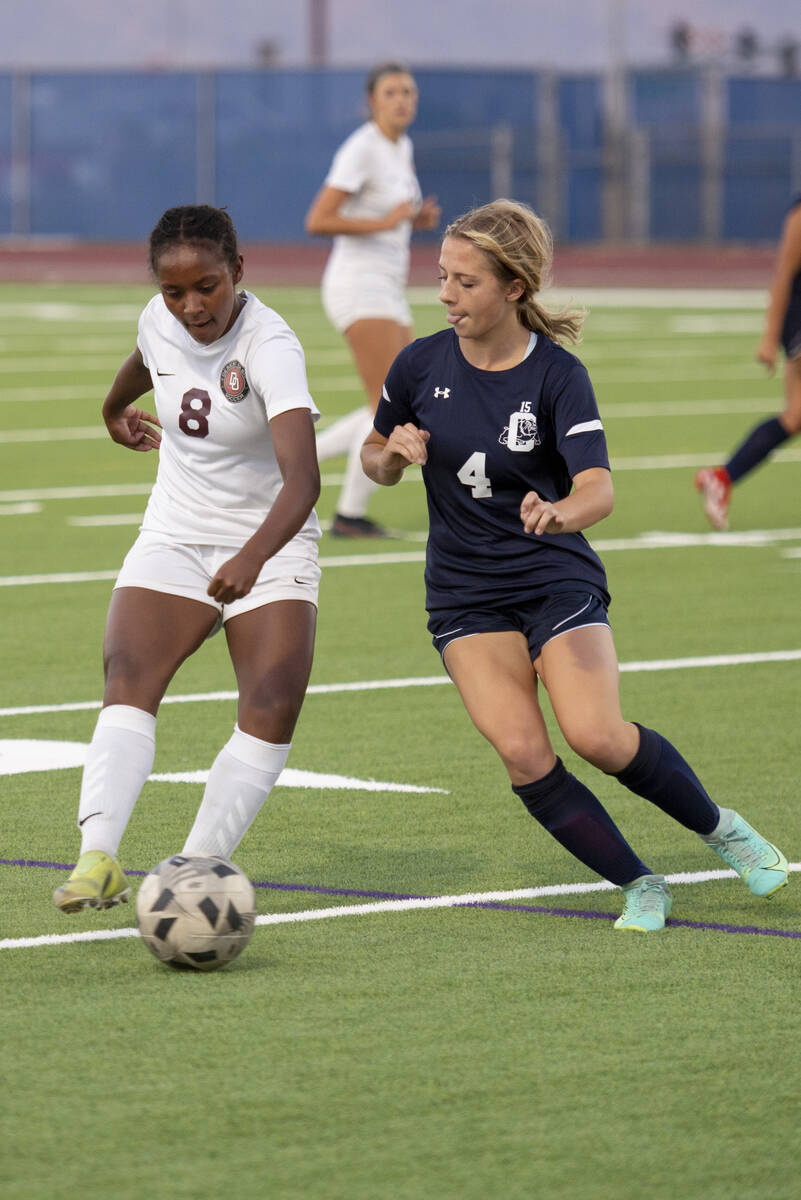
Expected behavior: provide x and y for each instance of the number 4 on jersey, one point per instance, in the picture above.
(472, 474)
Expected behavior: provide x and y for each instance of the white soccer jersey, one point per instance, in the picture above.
(378, 174)
(218, 475)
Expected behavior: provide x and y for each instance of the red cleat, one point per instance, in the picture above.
(715, 487)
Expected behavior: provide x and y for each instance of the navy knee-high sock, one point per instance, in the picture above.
(757, 446)
(659, 773)
(576, 818)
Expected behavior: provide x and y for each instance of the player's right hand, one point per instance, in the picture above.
(408, 443)
(135, 429)
(766, 354)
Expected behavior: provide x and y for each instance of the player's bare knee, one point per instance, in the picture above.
(523, 758)
(270, 718)
(600, 747)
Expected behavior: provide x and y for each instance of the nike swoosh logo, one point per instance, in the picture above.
(303, 582)
(83, 822)
(165, 372)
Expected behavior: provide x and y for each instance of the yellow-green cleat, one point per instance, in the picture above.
(97, 881)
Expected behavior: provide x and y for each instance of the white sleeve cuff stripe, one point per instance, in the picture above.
(385, 395)
(584, 427)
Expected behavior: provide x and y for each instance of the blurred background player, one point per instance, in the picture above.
(229, 535)
(782, 328)
(370, 203)
(505, 426)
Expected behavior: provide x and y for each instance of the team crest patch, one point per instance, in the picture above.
(233, 383)
(521, 433)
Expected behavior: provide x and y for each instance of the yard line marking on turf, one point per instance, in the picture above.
(654, 540)
(658, 462)
(687, 410)
(72, 362)
(28, 395)
(671, 462)
(483, 900)
(106, 519)
(94, 492)
(328, 689)
(77, 433)
(17, 510)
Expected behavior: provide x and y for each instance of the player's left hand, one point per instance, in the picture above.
(235, 578)
(540, 516)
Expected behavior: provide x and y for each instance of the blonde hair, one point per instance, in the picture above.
(519, 246)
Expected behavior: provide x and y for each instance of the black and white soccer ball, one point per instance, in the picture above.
(194, 910)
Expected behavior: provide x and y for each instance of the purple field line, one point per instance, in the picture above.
(277, 887)
(600, 916)
(537, 909)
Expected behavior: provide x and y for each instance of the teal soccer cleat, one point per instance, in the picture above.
(648, 904)
(758, 862)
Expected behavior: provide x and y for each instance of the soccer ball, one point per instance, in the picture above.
(197, 911)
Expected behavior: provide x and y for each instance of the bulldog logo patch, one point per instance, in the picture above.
(233, 384)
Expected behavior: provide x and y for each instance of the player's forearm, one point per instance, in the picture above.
(288, 515)
(587, 505)
(131, 381)
(333, 224)
(383, 468)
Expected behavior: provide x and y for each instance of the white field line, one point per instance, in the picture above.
(684, 409)
(646, 541)
(99, 313)
(77, 433)
(701, 662)
(71, 362)
(32, 395)
(97, 491)
(381, 906)
(652, 462)
(26, 508)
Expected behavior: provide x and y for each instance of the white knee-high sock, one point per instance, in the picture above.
(338, 438)
(240, 780)
(118, 762)
(357, 488)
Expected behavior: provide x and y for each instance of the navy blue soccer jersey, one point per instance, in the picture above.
(495, 435)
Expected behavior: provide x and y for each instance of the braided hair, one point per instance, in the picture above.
(194, 223)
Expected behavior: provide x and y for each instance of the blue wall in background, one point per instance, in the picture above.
(101, 155)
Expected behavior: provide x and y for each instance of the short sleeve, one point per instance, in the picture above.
(395, 405)
(350, 167)
(580, 436)
(142, 338)
(277, 371)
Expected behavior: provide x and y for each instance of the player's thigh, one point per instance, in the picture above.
(375, 342)
(496, 681)
(148, 635)
(580, 670)
(271, 649)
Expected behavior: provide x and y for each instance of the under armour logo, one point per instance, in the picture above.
(444, 392)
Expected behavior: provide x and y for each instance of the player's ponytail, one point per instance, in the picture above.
(519, 246)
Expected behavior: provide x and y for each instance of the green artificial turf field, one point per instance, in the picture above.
(367, 1045)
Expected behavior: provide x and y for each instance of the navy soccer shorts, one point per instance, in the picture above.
(539, 620)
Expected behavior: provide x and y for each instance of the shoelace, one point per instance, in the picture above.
(648, 898)
(742, 847)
